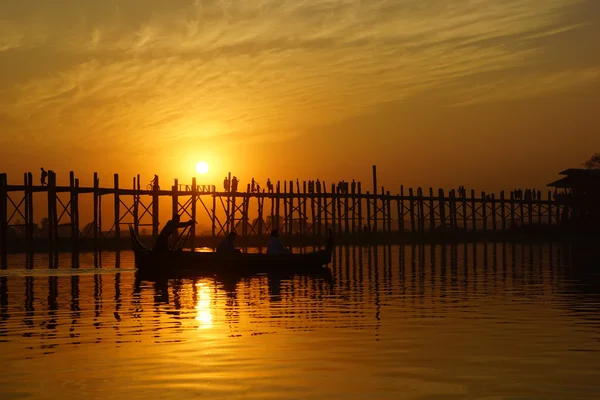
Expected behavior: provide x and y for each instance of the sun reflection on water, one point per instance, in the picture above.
(203, 310)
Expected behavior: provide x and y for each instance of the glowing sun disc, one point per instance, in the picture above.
(202, 167)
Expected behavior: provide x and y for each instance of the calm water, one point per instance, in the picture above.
(410, 322)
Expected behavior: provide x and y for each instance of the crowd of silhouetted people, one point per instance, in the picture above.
(342, 187)
(527, 194)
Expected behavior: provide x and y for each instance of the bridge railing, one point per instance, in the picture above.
(199, 188)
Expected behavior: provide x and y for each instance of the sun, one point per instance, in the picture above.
(202, 167)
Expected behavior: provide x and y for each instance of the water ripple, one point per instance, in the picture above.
(412, 322)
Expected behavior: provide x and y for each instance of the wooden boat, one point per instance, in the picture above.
(188, 262)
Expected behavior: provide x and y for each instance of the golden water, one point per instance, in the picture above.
(402, 322)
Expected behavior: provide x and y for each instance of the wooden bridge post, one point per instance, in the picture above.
(74, 211)
(442, 206)
(52, 217)
(347, 210)
(368, 196)
(421, 210)
(530, 209)
(277, 198)
(375, 198)
(261, 203)
(484, 212)
(451, 208)
(454, 210)
(286, 217)
(398, 213)
(193, 204)
(539, 209)
(389, 212)
(228, 210)
(319, 215)
(75, 215)
(175, 205)
(339, 206)
(401, 208)
(522, 211)
(155, 209)
(117, 214)
(136, 205)
(313, 213)
(411, 210)
(272, 211)
(333, 198)
(473, 210)
(28, 182)
(3, 221)
(304, 208)
(213, 216)
(232, 212)
(431, 211)
(100, 216)
(292, 195)
(355, 203)
(360, 203)
(96, 199)
(493, 197)
(31, 213)
(463, 195)
(503, 210)
(245, 218)
(512, 208)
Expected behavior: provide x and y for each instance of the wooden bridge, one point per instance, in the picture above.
(289, 207)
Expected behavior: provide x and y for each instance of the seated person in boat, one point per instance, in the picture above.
(274, 246)
(162, 242)
(226, 246)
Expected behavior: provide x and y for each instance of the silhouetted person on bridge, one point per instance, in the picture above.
(43, 177)
(234, 184)
(226, 184)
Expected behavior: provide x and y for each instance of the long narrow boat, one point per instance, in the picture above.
(186, 262)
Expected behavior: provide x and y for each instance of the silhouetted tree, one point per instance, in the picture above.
(593, 162)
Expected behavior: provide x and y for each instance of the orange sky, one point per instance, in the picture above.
(487, 94)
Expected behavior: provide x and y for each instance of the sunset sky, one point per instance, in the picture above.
(487, 94)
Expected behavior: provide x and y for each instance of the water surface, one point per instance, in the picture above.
(403, 322)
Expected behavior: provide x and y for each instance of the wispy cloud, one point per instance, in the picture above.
(267, 69)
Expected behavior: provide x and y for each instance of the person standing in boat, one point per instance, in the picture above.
(274, 246)
(226, 246)
(162, 241)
